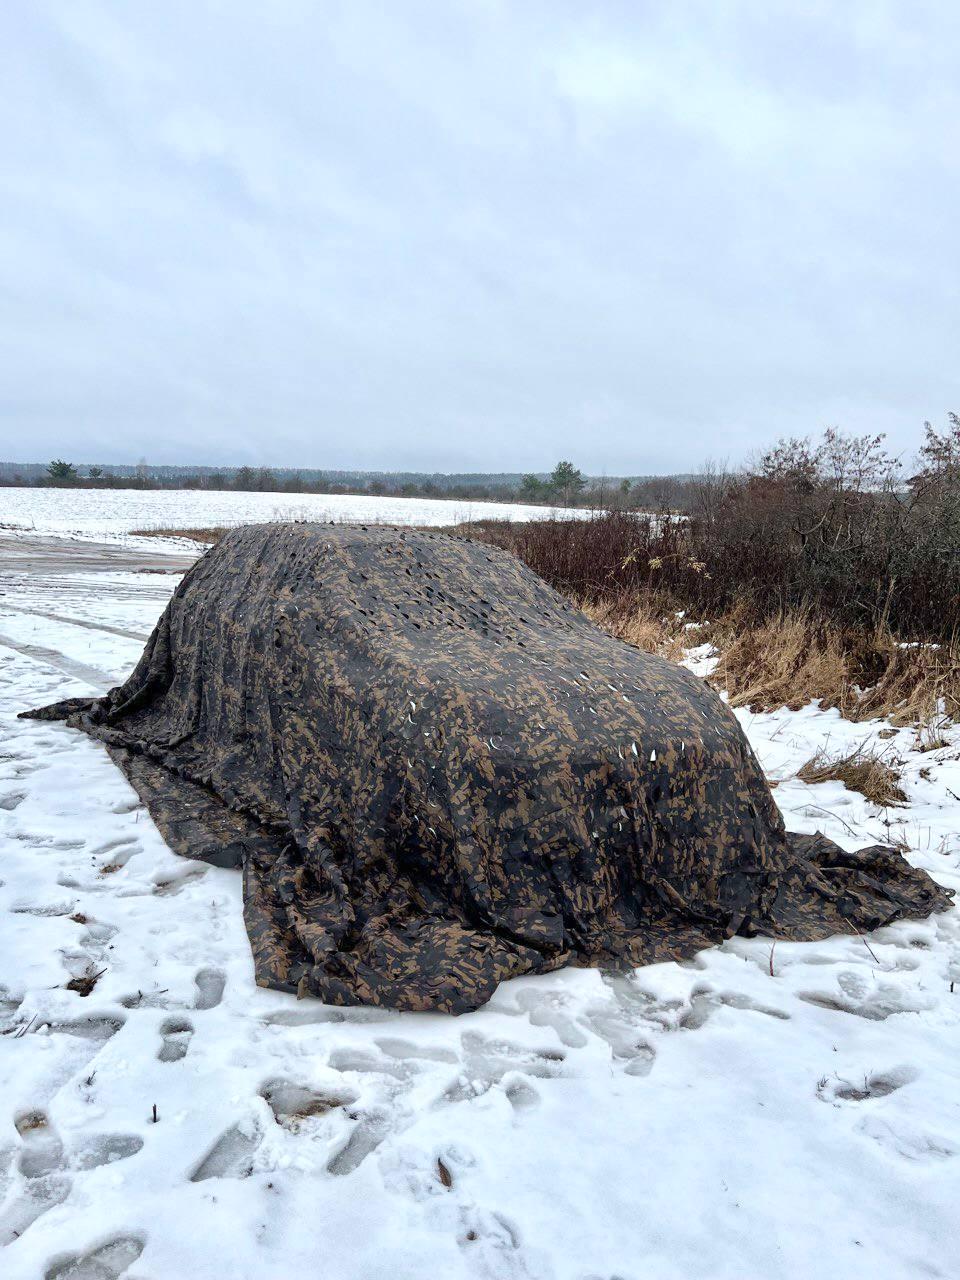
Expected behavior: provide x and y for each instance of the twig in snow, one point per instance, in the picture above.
(829, 814)
(869, 948)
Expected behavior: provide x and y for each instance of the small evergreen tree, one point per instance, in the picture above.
(60, 472)
(567, 482)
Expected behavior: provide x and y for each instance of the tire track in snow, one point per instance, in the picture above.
(143, 636)
(60, 662)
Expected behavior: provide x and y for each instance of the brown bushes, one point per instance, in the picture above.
(828, 528)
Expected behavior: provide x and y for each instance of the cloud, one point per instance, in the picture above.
(476, 234)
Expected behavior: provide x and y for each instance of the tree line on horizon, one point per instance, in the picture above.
(565, 485)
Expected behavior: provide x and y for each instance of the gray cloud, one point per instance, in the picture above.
(474, 234)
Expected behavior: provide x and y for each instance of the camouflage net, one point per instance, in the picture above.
(436, 774)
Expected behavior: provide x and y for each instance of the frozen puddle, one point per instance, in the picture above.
(758, 1111)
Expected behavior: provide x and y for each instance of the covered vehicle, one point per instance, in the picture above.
(436, 774)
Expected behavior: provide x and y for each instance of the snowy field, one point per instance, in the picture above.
(112, 513)
(758, 1113)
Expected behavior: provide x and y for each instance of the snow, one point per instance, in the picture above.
(108, 514)
(786, 1111)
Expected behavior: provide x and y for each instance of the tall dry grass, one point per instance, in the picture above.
(793, 658)
(639, 622)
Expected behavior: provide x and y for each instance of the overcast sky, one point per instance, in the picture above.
(474, 234)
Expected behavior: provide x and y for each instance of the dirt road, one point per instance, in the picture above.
(34, 554)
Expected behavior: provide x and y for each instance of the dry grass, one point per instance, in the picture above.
(209, 535)
(920, 684)
(864, 771)
(638, 621)
(784, 661)
(792, 659)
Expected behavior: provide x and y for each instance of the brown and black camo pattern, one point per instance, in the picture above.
(436, 774)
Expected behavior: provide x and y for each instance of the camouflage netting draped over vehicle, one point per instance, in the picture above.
(436, 774)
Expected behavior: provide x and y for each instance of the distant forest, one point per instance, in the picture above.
(565, 485)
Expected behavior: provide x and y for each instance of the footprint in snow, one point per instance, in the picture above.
(42, 909)
(623, 1022)
(96, 934)
(170, 886)
(130, 843)
(521, 1095)
(856, 997)
(117, 858)
(629, 1043)
(487, 1062)
(45, 1164)
(231, 1156)
(907, 1140)
(210, 984)
(704, 1002)
(292, 1104)
(364, 1061)
(127, 806)
(104, 1148)
(107, 1262)
(41, 1150)
(404, 1049)
(27, 768)
(176, 1034)
(356, 1014)
(546, 1009)
(370, 1130)
(39, 1196)
(494, 1238)
(9, 1007)
(93, 1028)
(836, 1089)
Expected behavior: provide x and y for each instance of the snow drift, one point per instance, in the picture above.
(436, 774)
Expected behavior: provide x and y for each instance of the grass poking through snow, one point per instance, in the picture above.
(862, 771)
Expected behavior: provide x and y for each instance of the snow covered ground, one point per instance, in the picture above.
(112, 513)
(758, 1113)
